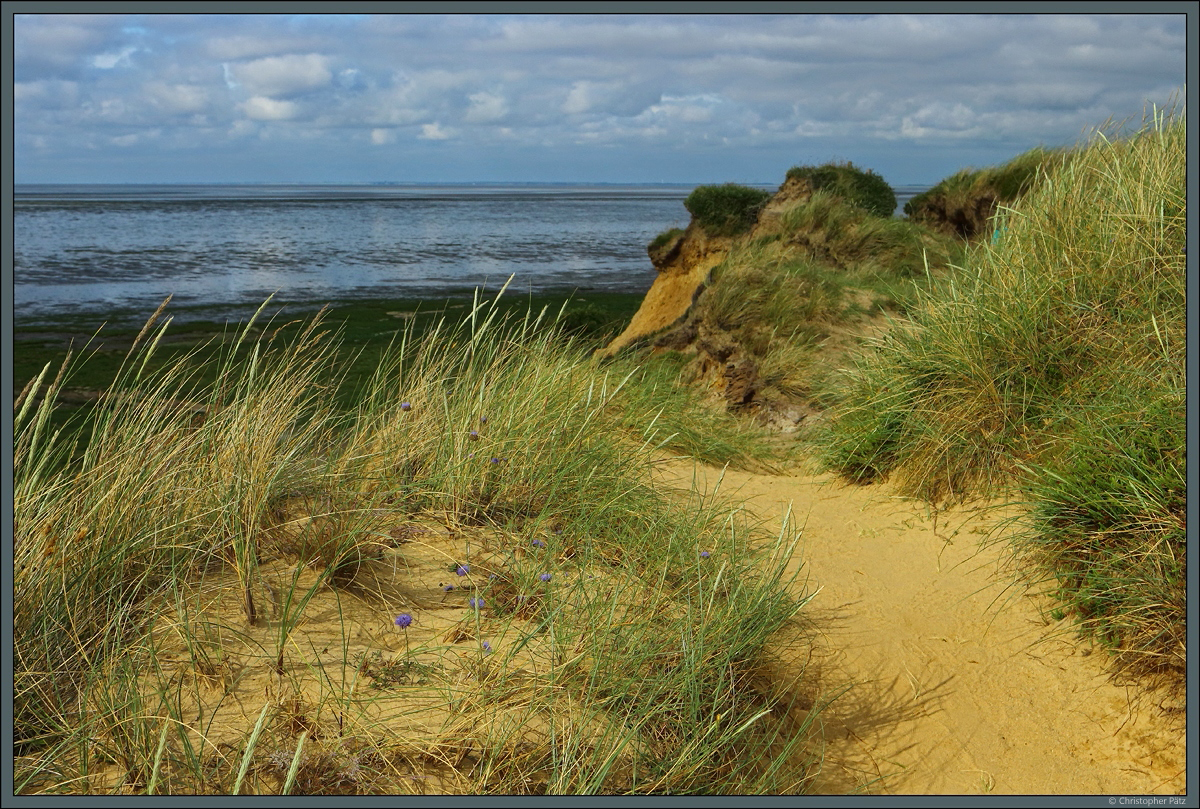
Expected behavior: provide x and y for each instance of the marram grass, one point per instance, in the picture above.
(1052, 364)
(209, 591)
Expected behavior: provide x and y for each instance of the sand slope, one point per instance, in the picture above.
(960, 685)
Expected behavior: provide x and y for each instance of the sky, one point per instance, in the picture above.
(568, 98)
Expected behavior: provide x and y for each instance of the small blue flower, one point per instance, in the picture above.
(403, 621)
(476, 603)
(545, 577)
(448, 587)
(463, 570)
(483, 419)
(537, 543)
(406, 406)
(495, 460)
(704, 554)
(474, 436)
(487, 647)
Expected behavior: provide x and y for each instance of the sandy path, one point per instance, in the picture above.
(961, 687)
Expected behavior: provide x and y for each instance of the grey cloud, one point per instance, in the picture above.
(841, 83)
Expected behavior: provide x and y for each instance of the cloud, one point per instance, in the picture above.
(107, 61)
(485, 108)
(261, 108)
(178, 99)
(47, 94)
(434, 131)
(283, 75)
(737, 86)
(58, 45)
(621, 98)
(941, 120)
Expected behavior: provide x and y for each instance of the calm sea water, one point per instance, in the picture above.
(107, 249)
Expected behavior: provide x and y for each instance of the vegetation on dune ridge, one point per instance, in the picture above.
(201, 598)
(965, 202)
(774, 300)
(725, 210)
(1034, 348)
(857, 187)
(1053, 361)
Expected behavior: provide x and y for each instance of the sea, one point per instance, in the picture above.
(113, 250)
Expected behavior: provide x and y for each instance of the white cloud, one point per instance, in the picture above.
(379, 137)
(485, 107)
(283, 75)
(435, 131)
(47, 93)
(579, 99)
(261, 108)
(134, 138)
(107, 61)
(177, 99)
(942, 120)
(621, 98)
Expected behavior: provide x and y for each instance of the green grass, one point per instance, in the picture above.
(177, 630)
(861, 189)
(663, 238)
(365, 330)
(777, 298)
(965, 202)
(726, 210)
(1051, 365)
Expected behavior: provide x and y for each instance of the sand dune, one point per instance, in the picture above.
(958, 683)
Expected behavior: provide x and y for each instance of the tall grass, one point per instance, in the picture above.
(776, 298)
(1053, 361)
(965, 202)
(832, 232)
(200, 591)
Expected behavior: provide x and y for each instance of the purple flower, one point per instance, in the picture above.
(495, 460)
(545, 577)
(703, 554)
(487, 647)
(405, 406)
(483, 419)
(537, 543)
(403, 621)
(463, 570)
(476, 603)
(474, 436)
(448, 587)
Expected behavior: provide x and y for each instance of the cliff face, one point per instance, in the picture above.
(678, 315)
(684, 264)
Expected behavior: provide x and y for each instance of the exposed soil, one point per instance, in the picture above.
(948, 680)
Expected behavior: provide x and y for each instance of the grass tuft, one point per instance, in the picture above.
(1052, 361)
(209, 578)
